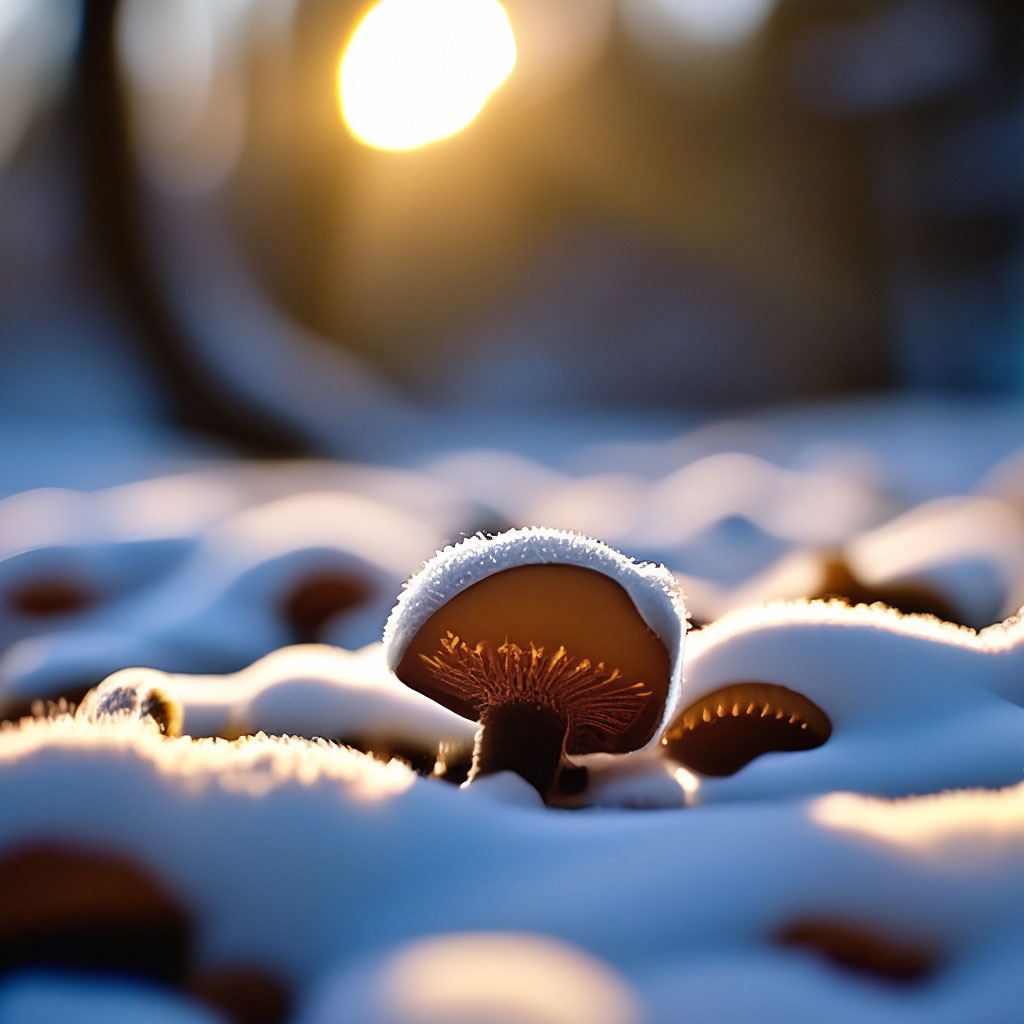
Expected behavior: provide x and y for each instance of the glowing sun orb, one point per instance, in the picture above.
(416, 71)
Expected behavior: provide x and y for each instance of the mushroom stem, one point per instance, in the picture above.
(524, 737)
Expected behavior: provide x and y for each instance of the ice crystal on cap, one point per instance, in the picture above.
(552, 632)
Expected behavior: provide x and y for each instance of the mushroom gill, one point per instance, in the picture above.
(729, 728)
(592, 699)
(533, 704)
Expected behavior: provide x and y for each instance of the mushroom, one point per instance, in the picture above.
(558, 645)
(730, 727)
(80, 909)
(50, 597)
(852, 946)
(132, 695)
(243, 993)
(803, 697)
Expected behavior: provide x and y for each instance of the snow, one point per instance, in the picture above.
(657, 894)
(223, 605)
(361, 857)
(500, 978)
(48, 998)
(306, 690)
(968, 548)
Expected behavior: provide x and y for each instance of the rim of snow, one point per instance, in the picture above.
(802, 612)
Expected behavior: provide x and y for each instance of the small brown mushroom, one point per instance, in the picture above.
(727, 729)
(556, 644)
(840, 582)
(50, 596)
(242, 993)
(82, 909)
(314, 600)
(858, 948)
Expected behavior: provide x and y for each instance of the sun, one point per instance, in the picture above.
(416, 71)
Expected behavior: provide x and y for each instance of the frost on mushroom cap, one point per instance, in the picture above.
(655, 604)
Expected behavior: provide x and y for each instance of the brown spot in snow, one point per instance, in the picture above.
(78, 909)
(858, 948)
(317, 598)
(43, 598)
(841, 583)
(243, 994)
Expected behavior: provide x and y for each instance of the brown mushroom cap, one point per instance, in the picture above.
(856, 947)
(50, 596)
(551, 606)
(840, 582)
(315, 599)
(727, 729)
(83, 909)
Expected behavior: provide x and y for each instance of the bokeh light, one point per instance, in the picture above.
(36, 37)
(415, 72)
(180, 61)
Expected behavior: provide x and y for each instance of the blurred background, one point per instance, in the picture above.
(321, 227)
(293, 293)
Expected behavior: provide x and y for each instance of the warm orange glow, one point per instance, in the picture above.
(416, 71)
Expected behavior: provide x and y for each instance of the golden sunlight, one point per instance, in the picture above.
(416, 71)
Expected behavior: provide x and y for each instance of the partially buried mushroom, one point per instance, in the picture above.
(556, 644)
(126, 698)
(730, 727)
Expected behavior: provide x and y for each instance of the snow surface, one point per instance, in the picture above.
(222, 606)
(306, 690)
(364, 858)
(657, 894)
(501, 978)
(49, 998)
